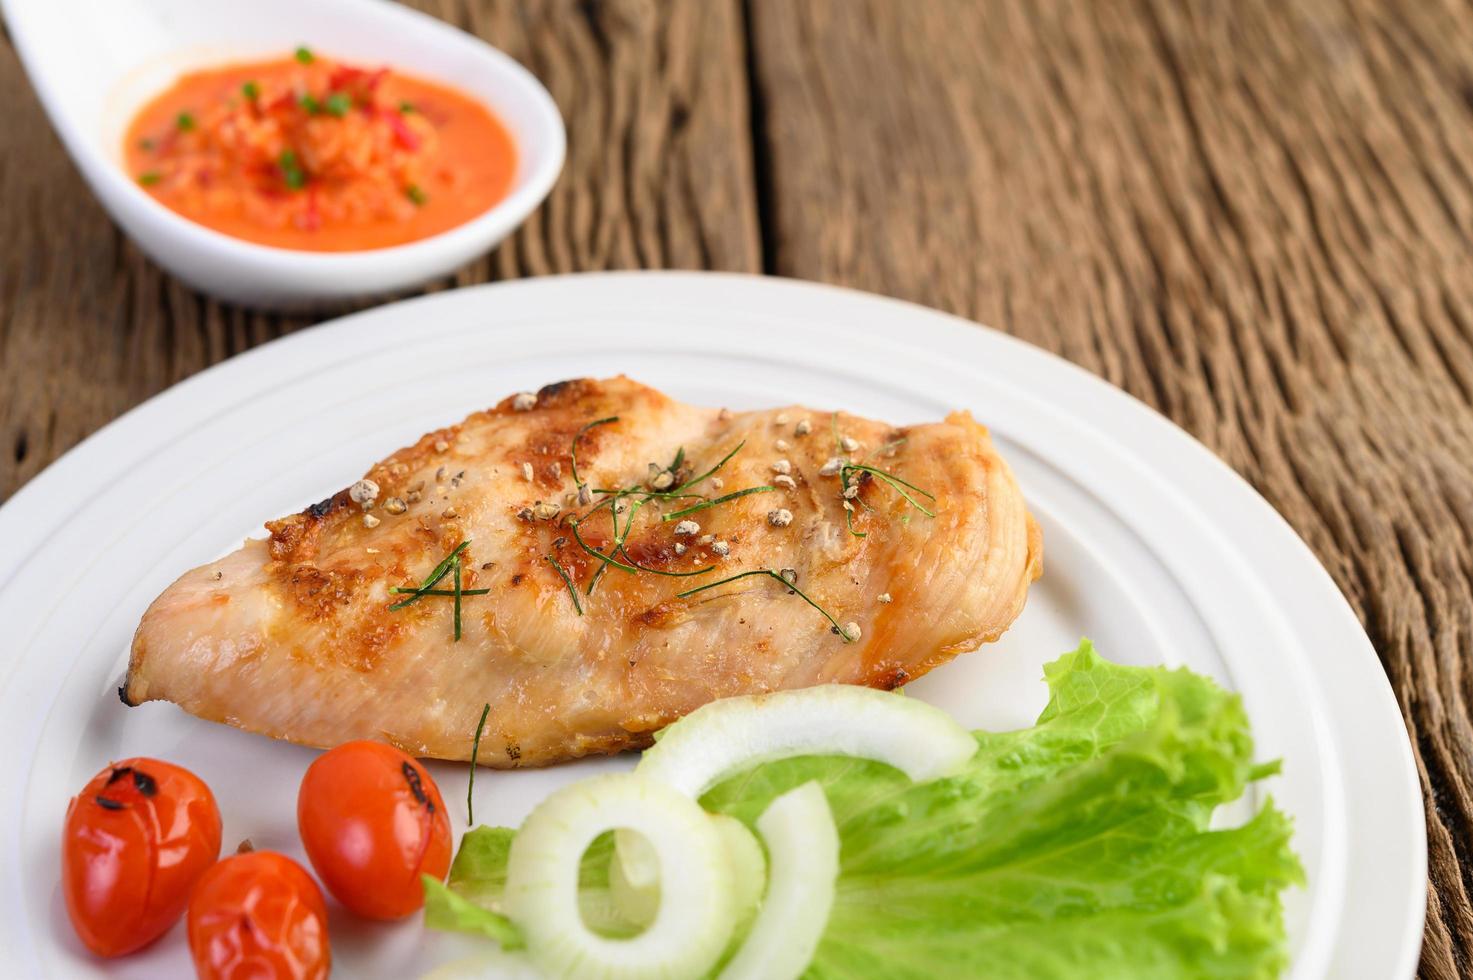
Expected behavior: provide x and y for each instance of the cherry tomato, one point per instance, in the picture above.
(136, 839)
(258, 916)
(373, 821)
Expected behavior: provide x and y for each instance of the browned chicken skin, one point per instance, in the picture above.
(293, 637)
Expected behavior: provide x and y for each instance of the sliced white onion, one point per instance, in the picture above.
(723, 737)
(748, 866)
(803, 847)
(694, 921)
(638, 905)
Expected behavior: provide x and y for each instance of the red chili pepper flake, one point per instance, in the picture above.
(312, 218)
(342, 75)
(402, 132)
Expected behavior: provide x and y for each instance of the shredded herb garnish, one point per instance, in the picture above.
(470, 785)
(456, 566)
(849, 519)
(661, 571)
(251, 90)
(566, 581)
(185, 122)
(415, 194)
(573, 526)
(305, 56)
(712, 471)
(790, 586)
(712, 503)
(573, 454)
(150, 177)
(639, 496)
(438, 592)
(338, 104)
(893, 444)
(619, 536)
(895, 483)
(433, 579)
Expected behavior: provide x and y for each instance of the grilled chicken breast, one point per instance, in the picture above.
(298, 636)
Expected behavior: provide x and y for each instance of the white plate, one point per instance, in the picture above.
(1153, 548)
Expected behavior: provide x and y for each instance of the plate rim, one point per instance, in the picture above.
(66, 484)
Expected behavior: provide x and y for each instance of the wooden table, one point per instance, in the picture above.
(1254, 216)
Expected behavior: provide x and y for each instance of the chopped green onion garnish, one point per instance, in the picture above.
(416, 195)
(145, 144)
(251, 91)
(185, 122)
(150, 177)
(309, 102)
(295, 177)
(338, 104)
(406, 107)
(470, 784)
(305, 55)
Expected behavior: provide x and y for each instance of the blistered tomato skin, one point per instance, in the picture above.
(373, 821)
(256, 916)
(135, 841)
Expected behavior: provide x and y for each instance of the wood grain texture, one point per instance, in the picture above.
(659, 175)
(1255, 216)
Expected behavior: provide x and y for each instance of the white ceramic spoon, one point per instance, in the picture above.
(96, 62)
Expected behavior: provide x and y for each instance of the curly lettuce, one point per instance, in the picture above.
(1080, 846)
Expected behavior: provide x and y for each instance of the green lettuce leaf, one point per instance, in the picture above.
(1078, 847)
(470, 900)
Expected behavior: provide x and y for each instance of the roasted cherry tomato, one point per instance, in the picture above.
(373, 821)
(136, 839)
(259, 916)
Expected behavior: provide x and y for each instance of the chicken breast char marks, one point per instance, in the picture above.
(294, 636)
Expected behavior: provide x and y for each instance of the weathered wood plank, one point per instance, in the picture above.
(658, 175)
(1254, 216)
